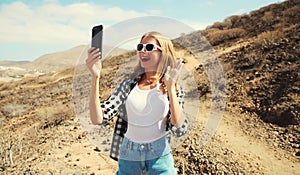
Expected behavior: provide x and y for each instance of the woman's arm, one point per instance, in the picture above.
(177, 115)
(93, 63)
(183, 128)
(96, 113)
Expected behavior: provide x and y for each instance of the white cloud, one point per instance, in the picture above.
(54, 23)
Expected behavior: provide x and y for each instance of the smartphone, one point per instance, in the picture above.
(97, 34)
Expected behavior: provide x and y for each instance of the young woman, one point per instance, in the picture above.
(149, 107)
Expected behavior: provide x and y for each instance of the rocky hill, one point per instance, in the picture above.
(267, 62)
(259, 133)
(260, 56)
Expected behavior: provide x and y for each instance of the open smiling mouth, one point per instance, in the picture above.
(145, 59)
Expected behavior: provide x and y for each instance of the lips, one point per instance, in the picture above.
(145, 59)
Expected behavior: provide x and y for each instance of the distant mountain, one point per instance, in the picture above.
(55, 61)
(60, 60)
(7, 63)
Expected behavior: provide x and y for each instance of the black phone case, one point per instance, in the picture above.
(97, 34)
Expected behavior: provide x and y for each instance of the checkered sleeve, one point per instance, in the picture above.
(184, 127)
(111, 106)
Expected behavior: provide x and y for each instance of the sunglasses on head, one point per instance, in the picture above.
(149, 47)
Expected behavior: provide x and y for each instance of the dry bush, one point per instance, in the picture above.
(291, 15)
(10, 148)
(222, 25)
(233, 18)
(46, 112)
(17, 151)
(269, 18)
(52, 115)
(216, 37)
(269, 37)
(44, 79)
(228, 23)
(13, 109)
(292, 12)
(6, 86)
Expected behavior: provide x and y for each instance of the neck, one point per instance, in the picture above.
(149, 75)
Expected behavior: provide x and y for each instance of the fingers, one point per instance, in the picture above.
(168, 70)
(173, 73)
(167, 74)
(93, 62)
(94, 55)
(179, 64)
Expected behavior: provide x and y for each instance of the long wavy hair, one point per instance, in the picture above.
(168, 58)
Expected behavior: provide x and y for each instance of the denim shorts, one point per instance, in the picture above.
(153, 158)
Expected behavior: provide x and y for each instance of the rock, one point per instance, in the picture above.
(97, 149)
(68, 155)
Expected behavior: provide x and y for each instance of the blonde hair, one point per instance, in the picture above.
(168, 58)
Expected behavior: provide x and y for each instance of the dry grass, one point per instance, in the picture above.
(13, 109)
(217, 36)
(268, 37)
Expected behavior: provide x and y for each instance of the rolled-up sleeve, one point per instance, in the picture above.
(179, 131)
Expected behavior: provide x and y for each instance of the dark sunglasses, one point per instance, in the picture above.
(149, 47)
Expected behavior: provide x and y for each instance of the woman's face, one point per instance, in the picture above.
(149, 60)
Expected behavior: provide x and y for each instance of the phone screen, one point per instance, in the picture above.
(97, 34)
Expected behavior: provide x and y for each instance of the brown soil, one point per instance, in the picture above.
(46, 138)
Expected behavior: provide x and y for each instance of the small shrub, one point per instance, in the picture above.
(10, 148)
(13, 109)
(5, 86)
(232, 21)
(222, 25)
(52, 115)
(46, 112)
(269, 18)
(218, 36)
(269, 37)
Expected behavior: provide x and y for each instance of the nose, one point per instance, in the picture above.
(144, 50)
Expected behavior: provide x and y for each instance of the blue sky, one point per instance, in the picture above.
(32, 28)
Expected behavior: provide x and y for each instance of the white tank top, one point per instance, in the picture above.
(146, 112)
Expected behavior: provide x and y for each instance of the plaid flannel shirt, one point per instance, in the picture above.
(115, 106)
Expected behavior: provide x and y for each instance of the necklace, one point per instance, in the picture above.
(149, 81)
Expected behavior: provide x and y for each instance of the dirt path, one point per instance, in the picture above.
(253, 152)
(237, 151)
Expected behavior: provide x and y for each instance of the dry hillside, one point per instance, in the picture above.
(259, 132)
